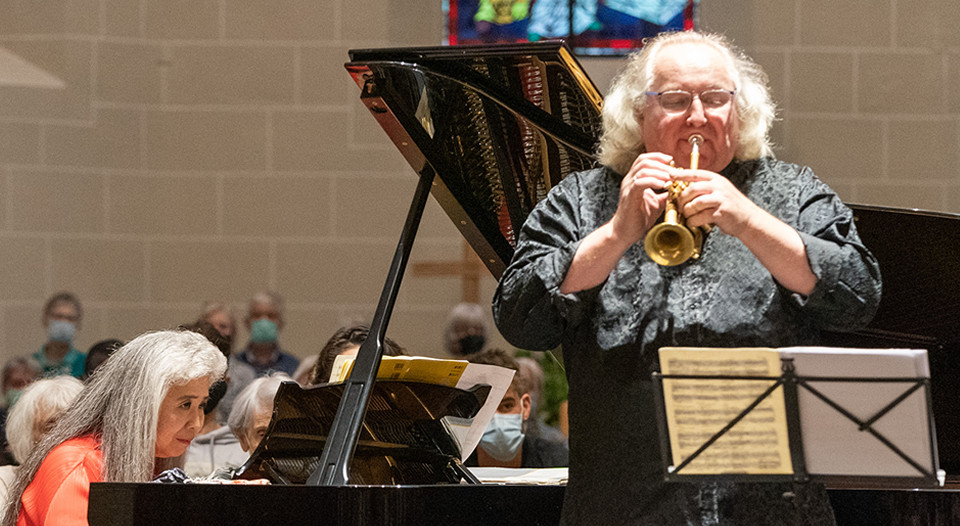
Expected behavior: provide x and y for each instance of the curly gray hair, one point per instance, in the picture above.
(37, 409)
(622, 140)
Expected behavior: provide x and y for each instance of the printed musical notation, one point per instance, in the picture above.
(697, 408)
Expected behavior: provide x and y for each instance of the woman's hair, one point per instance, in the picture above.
(120, 404)
(622, 140)
(37, 409)
(344, 338)
(255, 397)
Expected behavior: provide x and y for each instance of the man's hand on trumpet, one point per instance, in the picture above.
(642, 196)
(641, 201)
(710, 199)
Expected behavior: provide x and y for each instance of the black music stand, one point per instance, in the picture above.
(923, 471)
(405, 438)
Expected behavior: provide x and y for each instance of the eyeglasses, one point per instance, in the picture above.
(677, 101)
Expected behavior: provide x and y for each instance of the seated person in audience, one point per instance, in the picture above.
(239, 372)
(253, 410)
(221, 316)
(144, 405)
(42, 403)
(305, 370)
(61, 318)
(17, 374)
(466, 330)
(215, 450)
(510, 440)
(264, 321)
(98, 353)
(346, 341)
(531, 375)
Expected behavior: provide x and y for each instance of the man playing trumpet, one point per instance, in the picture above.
(783, 263)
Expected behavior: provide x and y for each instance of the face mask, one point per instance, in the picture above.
(471, 343)
(504, 436)
(60, 331)
(263, 331)
(11, 397)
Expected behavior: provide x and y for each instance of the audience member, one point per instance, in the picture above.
(264, 321)
(346, 341)
(145, 404)
(61, 318)
(17, 374)
(239, 373)
(42, 403)
(531, 375)
(215, 448)
(305, 370)
(253, 410)
(512, 439)
(221, 316)
(98, 353)
(466, 330)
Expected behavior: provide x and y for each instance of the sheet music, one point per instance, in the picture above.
(411, 368)
(833, 444)
(539, 476)
(454, 373)
(498, 378)
(696, 409)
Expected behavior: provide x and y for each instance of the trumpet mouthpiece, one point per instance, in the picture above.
(696, 139)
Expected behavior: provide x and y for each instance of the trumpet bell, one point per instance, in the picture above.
(670, 244)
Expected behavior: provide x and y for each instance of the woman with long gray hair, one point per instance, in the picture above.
(144, 404)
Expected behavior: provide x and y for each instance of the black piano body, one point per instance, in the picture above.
(300, 505)
(489, 130)
(920, 309)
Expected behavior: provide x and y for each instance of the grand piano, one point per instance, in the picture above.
(488, 130)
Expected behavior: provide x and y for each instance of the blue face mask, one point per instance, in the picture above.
(60, 331)
(504, 436)
(263, 331)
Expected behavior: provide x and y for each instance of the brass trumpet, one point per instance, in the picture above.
(671, 242)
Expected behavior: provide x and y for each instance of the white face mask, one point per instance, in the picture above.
(504, 436)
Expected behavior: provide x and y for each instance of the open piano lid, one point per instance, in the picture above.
(501, 125)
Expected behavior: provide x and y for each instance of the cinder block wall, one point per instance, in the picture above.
(208, 149)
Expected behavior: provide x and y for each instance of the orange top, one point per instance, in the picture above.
(60, 490)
